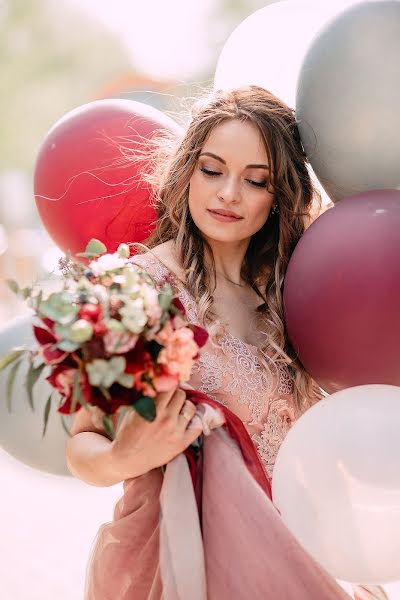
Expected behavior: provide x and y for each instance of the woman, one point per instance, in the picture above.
(234, 196)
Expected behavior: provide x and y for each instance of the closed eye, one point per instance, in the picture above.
(261, 184)
(209, 173)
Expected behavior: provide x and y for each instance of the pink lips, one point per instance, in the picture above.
(224, 216)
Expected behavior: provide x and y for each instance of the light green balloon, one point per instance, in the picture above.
(21, 430)
(348, 100)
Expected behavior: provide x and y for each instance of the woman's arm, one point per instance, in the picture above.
(89, 453)
(139, 446)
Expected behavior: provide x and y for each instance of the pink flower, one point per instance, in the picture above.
(165, 382)
(166, 334)
(179, 352)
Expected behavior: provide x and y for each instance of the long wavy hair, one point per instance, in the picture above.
(270, 249)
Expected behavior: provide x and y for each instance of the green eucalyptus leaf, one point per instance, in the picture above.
(165, 297)
(31, 378)
(59, 307)
(12, 356)
(66, 346)
(108, 426)
(13, 285)
(146, 408)
(10, 383)
(77, 396)
(46, 414)
(64, 426)
(26, 292)
(126, 380)
(95, 247)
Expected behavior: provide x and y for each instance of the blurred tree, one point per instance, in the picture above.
(53, 59)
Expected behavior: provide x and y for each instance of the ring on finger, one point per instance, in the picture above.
(186, 414)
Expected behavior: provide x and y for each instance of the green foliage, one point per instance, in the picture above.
(59, 307)
(53, 59)
(94, 249)
(31, 378)
(10, 383)
(46, 414)
(108, 427)
(11, 357)
(146, 408)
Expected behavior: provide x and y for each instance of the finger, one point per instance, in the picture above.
(186, 386)
(176, 403)
(190, 435)
(186, 415)
(163, 398)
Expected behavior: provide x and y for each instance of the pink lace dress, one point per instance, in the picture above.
(230, 371)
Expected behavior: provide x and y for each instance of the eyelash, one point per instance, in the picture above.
(259, 184)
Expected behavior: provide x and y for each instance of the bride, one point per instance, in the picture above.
(234, 196)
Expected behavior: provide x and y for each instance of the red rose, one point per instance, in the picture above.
(91, 312)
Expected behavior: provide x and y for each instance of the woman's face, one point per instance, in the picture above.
(231, 178)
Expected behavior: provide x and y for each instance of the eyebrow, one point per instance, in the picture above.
(221, 160)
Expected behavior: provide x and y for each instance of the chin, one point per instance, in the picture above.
(221, 236)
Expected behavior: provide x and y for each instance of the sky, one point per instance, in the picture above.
(177, 27)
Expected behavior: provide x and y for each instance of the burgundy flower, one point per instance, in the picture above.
(47, 340)
(120, 396)
(62, 379)
(178, 304)
(44, 336)
(200, 334)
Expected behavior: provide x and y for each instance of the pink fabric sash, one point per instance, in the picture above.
(158, 547)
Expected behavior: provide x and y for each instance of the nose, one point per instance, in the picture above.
(229, 192)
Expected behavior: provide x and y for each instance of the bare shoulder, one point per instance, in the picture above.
(165, 253)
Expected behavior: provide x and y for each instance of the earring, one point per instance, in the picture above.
(274, 210)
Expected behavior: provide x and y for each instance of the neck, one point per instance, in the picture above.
(228, 260)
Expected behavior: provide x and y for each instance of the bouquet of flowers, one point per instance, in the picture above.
(109, 339)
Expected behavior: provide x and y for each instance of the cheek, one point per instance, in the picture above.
(260, 211)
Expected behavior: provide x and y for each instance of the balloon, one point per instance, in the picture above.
(85, 187)
(342, 293)
(21, 430)
(336, 483)
(348, 100)
(267, 48)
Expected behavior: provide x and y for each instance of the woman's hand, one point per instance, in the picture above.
(141, 445)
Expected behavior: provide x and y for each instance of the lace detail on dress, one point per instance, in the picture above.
(233, 373)
(286, 384)
(211, 369)
(279, 420)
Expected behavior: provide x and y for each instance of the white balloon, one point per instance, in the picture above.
(21, 430)
(337, 483)
(267, 48)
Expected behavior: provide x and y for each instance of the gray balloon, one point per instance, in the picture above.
(348, 100)
(21, 430)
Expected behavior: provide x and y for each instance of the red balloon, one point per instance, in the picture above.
(84, 186)
(342, 293)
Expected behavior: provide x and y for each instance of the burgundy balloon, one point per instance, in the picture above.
(87, 182)
(342, 293)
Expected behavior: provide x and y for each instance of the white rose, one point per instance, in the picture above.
(133, 315)
(107, 262)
